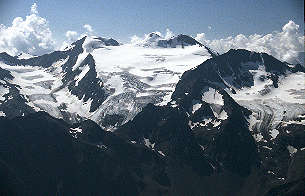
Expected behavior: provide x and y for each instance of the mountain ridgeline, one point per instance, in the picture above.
(232, 124)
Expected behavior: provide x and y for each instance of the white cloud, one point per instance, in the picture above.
(34, 9)
(135, 39)
(201, 37)
(146, 38)
(31, 35)
(71, 36)
(88, 28)
(285, 45)
(169, 34)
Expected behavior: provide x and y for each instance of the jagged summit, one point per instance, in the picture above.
(155, 39)
(89, 43)
(93, 42)
(178, 41)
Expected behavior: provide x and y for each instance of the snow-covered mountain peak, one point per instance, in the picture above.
(149, 40)
(94, 42)
(180, 40)
(155, 39)
(272, 90)
(153, 36)
(89, 43)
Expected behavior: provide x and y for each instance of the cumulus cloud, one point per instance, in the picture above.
(88, 28)
(169, 34)
(30, 35)
(34, 9)
(135, 39)
(285, 45)
(201, 37)
(71, 36)
(147, 38)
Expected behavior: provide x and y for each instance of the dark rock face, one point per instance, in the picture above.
(5, 74)
(295, 185)
(112, 120)
(232, 69)
(183, 40)
(234, 146)
(40, 154)
(167, 129)
(14, 104)
(109, 42)
(230, 143)
(8, 59)
(31, 153)
(228, 148)
(90, 86)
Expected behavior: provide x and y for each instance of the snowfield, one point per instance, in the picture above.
(43, 90)
(272, 106)
(155, 67)
(275, 105)
(137, 75)
(133, 75)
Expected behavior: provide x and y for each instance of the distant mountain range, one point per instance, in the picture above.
(160, 117)
(99, 79)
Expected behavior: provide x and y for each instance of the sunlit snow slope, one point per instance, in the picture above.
(100, 79)
(138, 75)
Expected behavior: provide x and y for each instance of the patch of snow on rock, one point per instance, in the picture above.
(85, 70)
(274, 133)
(3, 91)
(2, 113)
(291, 150)
(196, 106)
(148, 143)
(81, 57)
(161, 153)
(223, 115)
(76, 130)
(258, 137)
(212, 96)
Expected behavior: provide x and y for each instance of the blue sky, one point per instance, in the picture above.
(121, 19)
(42, 26)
